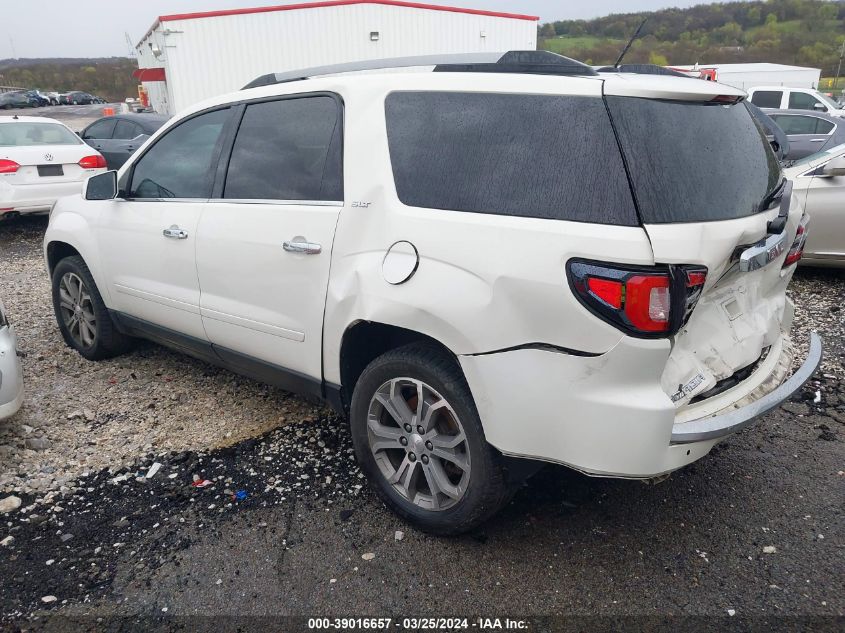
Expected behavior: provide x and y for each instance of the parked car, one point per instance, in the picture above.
(117, 137)
(38, 100)
(41, 160)
(458, 262)
(819, 183)
(11, 375)
(782, 98)
(9, 100)
(77, 98)
(808, 132)
(53, 97)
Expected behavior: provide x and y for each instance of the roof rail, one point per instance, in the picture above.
(524, 62)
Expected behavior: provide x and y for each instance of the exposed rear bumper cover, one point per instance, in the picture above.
(727, 423)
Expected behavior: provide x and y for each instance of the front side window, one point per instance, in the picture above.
(803, 101)
(287, 150)
(100, 129)
(182, 162)
(767, 98)
(25, 134)
(552, 157)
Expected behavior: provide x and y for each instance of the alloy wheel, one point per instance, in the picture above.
(418, 443)
(77, 310)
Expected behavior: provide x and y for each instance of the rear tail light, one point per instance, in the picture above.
(797, 248)
(642, 301)
(8, 166)
(96, 161)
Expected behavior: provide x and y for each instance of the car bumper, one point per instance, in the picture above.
(606, 415)
(38, 198)
(11, 376)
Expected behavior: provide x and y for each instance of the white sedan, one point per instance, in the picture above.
(41, 160)
(819, 182)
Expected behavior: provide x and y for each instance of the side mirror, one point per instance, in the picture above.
(819, 107)
(834, 167)
(101, 187)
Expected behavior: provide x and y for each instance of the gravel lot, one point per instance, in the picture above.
(754, 529)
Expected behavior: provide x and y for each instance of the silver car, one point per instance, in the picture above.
(808, 132)
(819, 182)
(11, 375)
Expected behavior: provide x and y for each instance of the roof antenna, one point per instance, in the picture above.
(631, 41)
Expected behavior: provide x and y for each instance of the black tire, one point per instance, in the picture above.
(107, 341)
(487, 490)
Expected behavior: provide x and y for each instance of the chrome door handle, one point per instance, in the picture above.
(301, 245)
(818, 140)
(175, 232)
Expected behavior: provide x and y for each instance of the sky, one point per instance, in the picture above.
(98, 28)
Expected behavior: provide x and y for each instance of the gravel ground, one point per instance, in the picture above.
(282, 527)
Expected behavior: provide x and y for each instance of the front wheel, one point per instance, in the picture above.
(83, 318)
(419, 440)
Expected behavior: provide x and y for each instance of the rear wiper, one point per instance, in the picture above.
(769, 201)
(784, 194)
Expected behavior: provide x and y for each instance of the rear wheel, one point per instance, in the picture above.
(419, 440)
(83, 318)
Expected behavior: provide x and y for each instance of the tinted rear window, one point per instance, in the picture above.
(539, 156)
(692, 161)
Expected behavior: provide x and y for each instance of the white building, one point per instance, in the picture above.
(186, 58)
(745, 76)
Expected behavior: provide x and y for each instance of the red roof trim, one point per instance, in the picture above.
(337, 3)
(149, 74)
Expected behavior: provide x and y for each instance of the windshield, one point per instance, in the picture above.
(830, 102)
(26, 134)
(693, 161)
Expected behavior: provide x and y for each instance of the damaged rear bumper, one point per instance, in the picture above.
(732, 421)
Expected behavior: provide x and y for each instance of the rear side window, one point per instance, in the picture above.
(796, 124)
(767, 98)
(288, 150)
(802, 101)
(180, 164)
(125, 130)
(692, 161)
(552, 157)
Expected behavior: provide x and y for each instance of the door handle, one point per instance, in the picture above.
(300, 245)
(818, 140)
(175, 232)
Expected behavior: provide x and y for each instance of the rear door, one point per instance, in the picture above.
(265, 240)
(125, 140)
(702, 174)
(767, 98)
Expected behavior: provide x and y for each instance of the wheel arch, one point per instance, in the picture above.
(56, 251)
(364, 341)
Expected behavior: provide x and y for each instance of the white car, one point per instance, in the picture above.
(474, 265)
(783, 98)
(41, 160)
(11, 374)
(819, 182)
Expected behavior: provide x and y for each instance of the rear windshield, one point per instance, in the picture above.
(28, 134)
(538, 156)
(693, 162)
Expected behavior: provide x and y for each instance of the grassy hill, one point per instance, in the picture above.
(109, 77)
(801, 32)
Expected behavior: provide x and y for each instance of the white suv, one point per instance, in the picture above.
(794, 99)
(485, 267)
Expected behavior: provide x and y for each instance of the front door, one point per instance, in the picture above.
(148, 235)
(265, 240)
